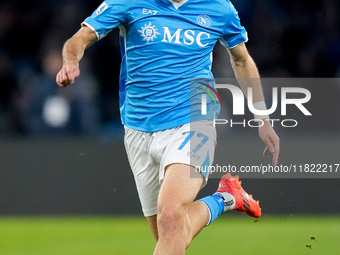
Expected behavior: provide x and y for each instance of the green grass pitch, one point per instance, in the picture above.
(130, 235)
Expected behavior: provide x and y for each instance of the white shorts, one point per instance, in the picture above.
(150, 152)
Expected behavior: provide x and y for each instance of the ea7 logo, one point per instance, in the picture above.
(187, 37)
(147, 11)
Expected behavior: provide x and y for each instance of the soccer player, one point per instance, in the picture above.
(166, 66)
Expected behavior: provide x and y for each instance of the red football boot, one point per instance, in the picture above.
(244, 202)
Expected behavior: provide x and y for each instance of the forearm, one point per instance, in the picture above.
(73, 51)
(247, 76)
(74, 48)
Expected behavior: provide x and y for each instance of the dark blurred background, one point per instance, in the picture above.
(61, 149)
(286, 38)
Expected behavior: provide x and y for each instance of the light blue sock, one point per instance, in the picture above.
(215, 204)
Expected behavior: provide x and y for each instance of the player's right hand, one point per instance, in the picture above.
(67, 74)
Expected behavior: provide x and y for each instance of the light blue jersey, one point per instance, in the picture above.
(165, 44)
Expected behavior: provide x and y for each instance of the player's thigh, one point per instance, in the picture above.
(145, 170)
(191, 144)
(179, 189)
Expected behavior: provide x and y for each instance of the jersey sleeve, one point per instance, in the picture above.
(110, 14)
(234, 33)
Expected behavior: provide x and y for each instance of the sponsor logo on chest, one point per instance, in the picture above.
(166, 34)
(149, 32)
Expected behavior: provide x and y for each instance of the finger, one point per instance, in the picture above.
(62, 80)
(63, 77)
(59, 80)
(265, 152)
(270, 145)
(275, 159)
(70, 75)
(276, 152)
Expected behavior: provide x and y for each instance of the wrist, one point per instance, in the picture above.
(261, 106)
(70, 63)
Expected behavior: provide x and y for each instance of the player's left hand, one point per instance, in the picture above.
(272, 141)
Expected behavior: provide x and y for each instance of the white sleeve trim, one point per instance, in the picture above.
(88, 25)
(226, 45)
(238, 44)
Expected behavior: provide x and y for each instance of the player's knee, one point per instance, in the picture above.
(170, 219)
